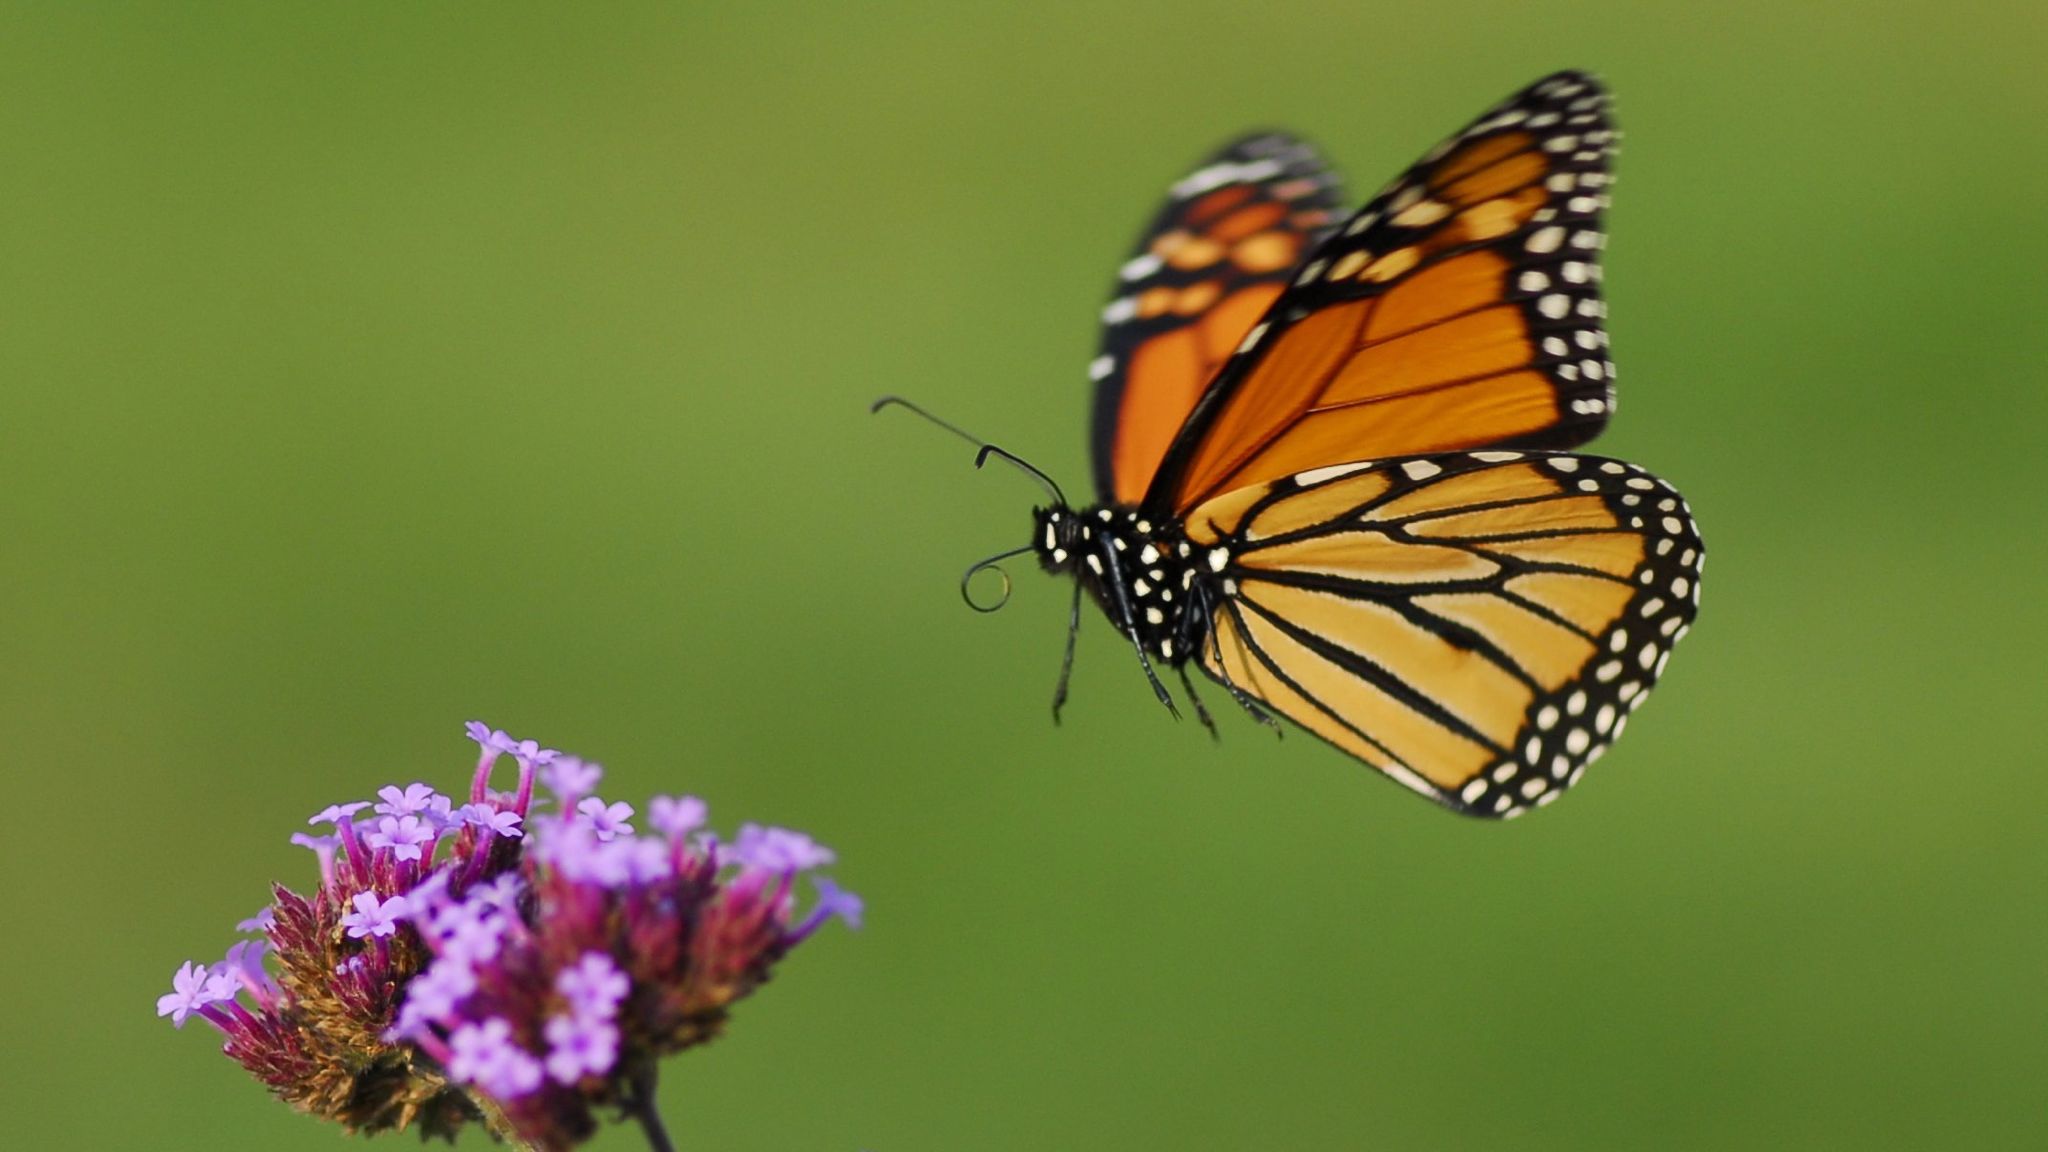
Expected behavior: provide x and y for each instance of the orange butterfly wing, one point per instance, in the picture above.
(1477, 626)
(1213, 260)
(1458, 309)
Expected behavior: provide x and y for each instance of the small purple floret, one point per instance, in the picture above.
(407, 801)
(493, 741)
(647, 860)
(435, 993)
(403, 835)
(571, 779)
(834, 901)
(593, 986)
(676, 816)
(607, 820)
(494, 820)
(778, 849)
(580, 1046)
(501, 893)
(373, 917)
(190, 992)
(470, 932)
(530, 752)
(485, 1055)
(244, 966)
(222, 983)
(336, 813)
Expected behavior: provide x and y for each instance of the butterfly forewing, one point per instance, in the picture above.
(1475, 625)
(1212, 262)
(1459, 308)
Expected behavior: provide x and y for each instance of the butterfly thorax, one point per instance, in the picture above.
(1146, 576)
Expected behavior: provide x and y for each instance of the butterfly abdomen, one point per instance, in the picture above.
(1147, 577)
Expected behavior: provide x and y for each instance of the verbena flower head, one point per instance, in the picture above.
(485, 962)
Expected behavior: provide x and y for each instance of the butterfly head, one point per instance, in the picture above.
(1060, 535)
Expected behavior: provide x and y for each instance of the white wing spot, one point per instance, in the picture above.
(1139, 267)
(1419, 469)
(1316, 476)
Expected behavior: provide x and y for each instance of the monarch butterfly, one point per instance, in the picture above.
(1330, 468)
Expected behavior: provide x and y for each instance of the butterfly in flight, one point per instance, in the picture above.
(1330, 459)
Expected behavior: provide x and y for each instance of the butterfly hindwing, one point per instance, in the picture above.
(1458, 309)
(1476, 625)
(1214, 259)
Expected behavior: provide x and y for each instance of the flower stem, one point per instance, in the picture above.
(498, 1124)
(644, 1108)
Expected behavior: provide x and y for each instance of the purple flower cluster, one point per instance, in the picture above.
(489, 962)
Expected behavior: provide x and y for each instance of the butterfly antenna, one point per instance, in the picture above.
(992, 564)
(987, 450)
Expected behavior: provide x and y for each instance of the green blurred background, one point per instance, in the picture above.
(372, 367)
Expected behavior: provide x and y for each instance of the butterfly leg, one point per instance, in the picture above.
(1059, 693)
(1243, 698)
(1123, 603)
(1251, 706)
(1201, 713)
